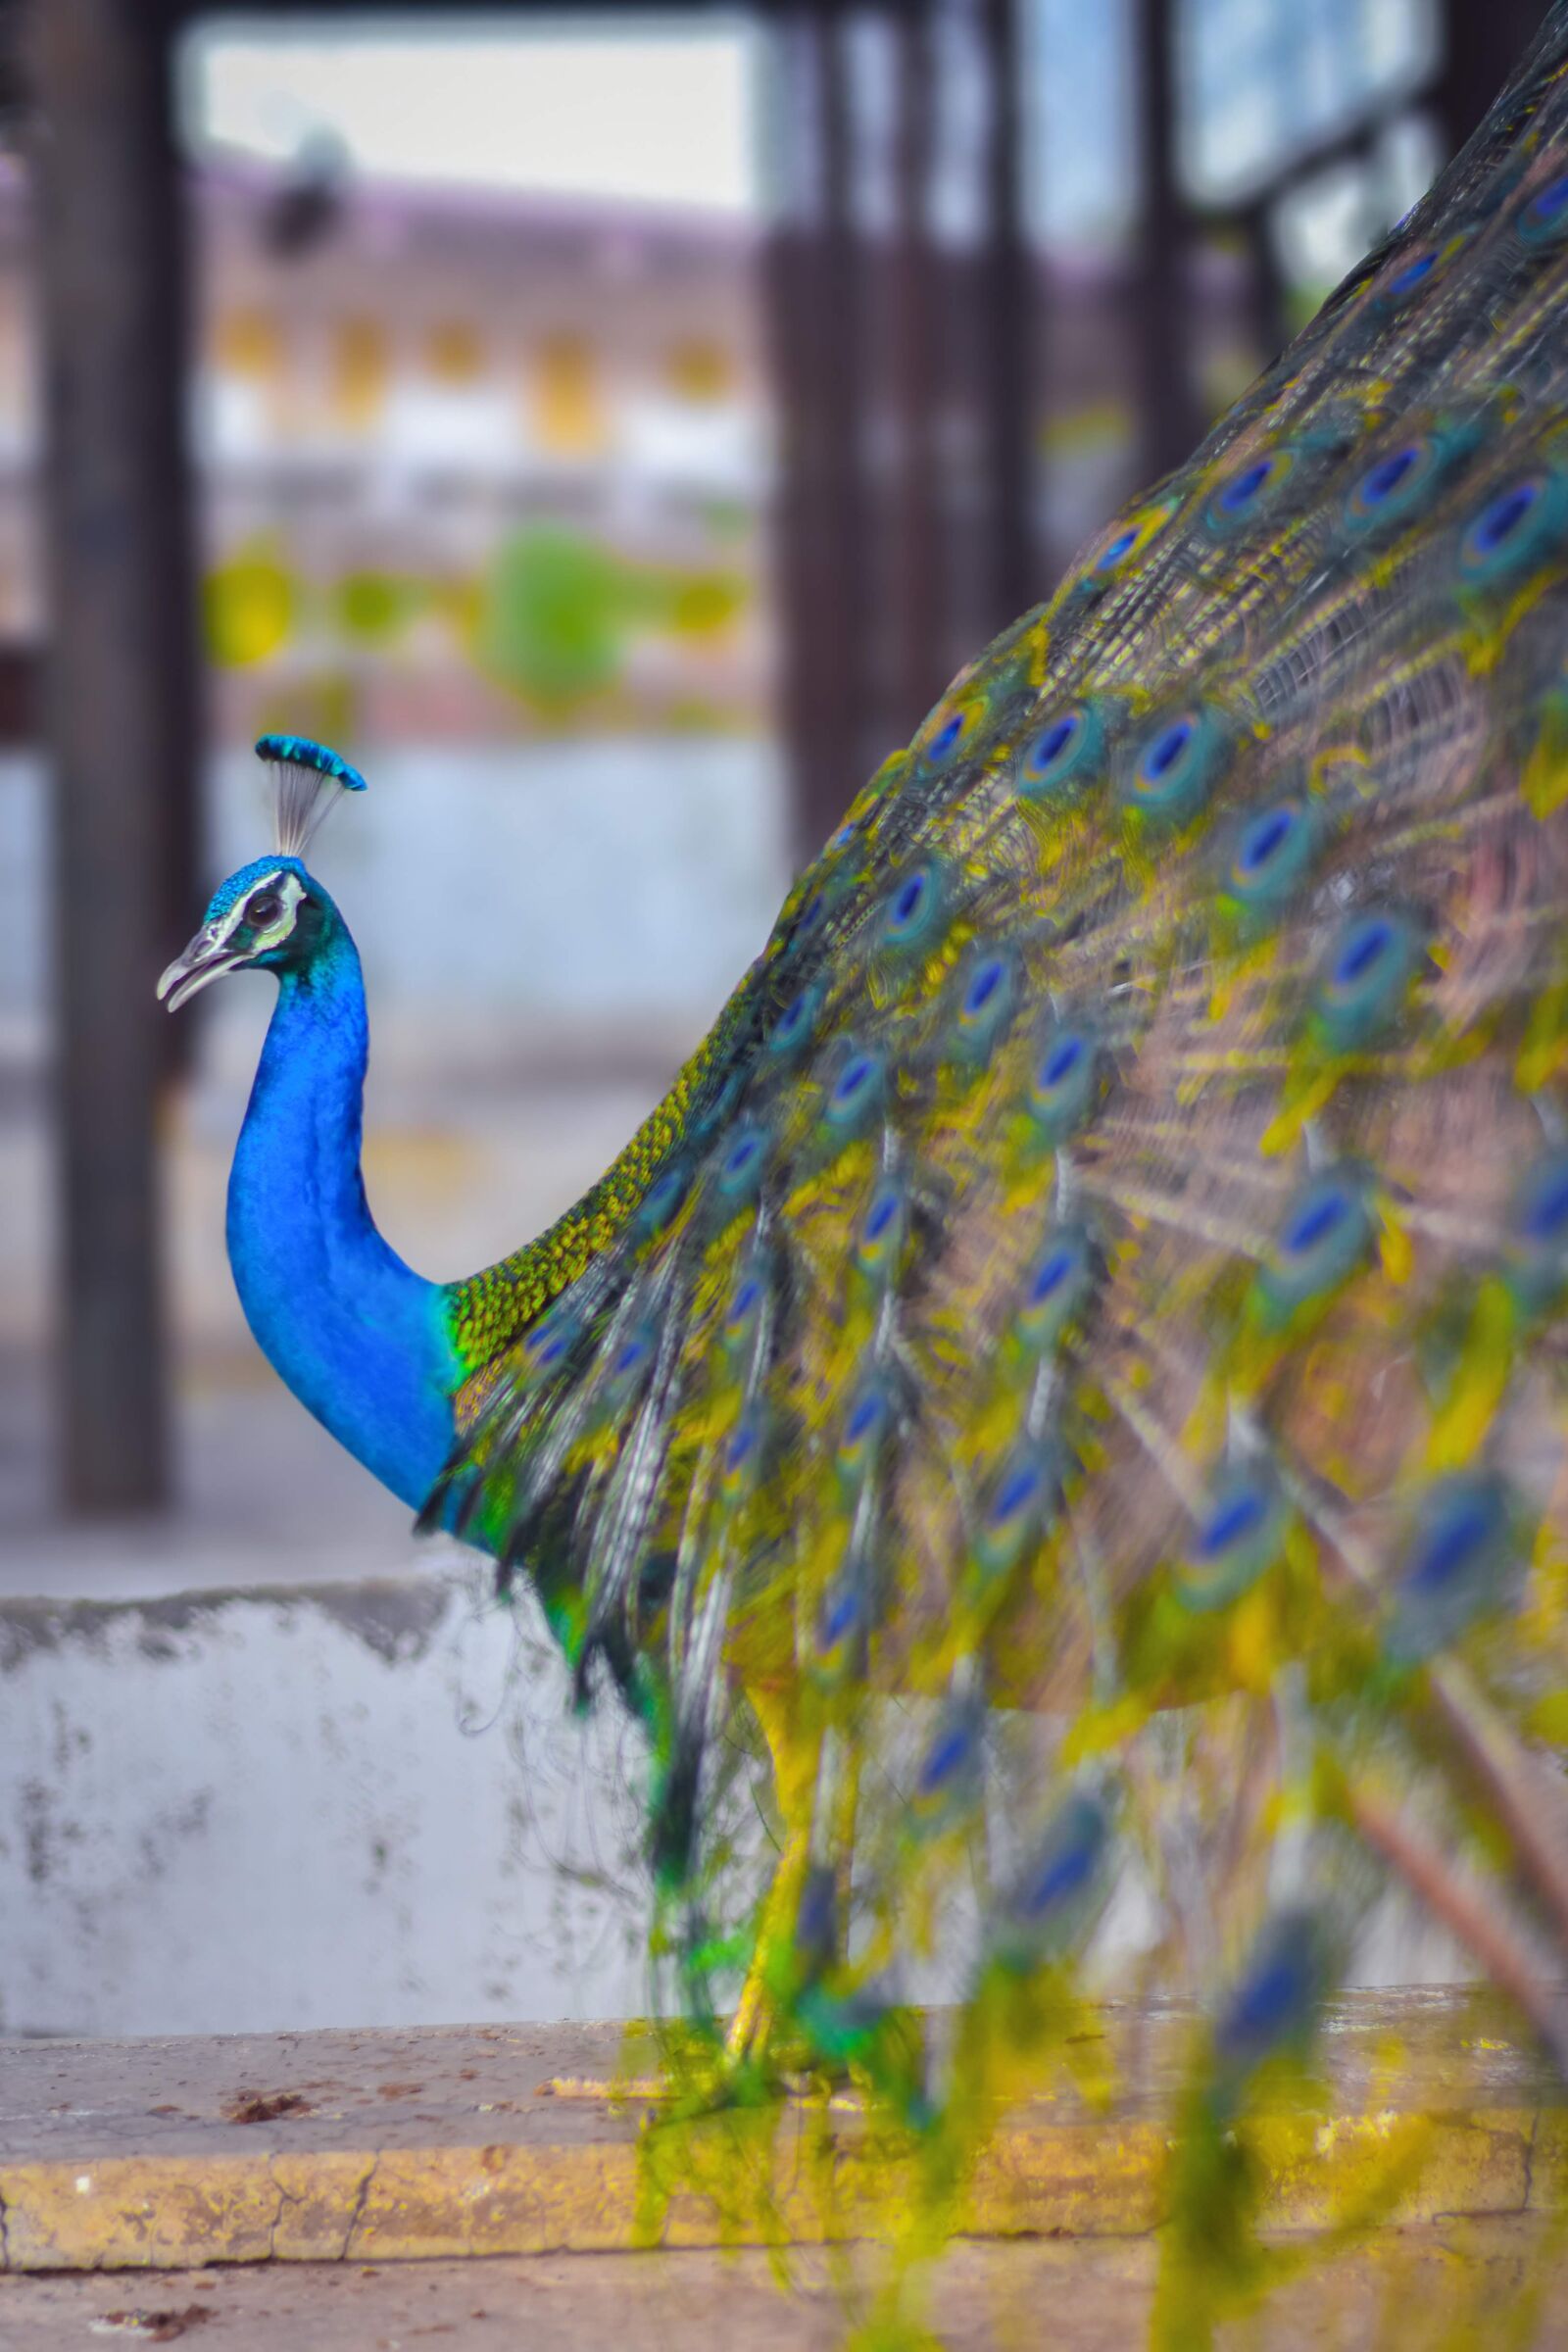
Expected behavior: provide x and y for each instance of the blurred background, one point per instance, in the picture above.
(609, 426)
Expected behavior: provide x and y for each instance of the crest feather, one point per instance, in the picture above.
(308, 779)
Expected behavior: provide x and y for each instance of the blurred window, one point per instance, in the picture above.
(248, 344)
(360, 371)
(568, 418)
(702, 370)
(1265, 81)
(455, 353)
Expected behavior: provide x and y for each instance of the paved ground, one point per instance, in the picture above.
(1418, 2289)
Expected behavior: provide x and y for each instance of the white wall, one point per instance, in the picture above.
(352, 1806)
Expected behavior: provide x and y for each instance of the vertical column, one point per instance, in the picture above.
(1011, 579)
(812, 288)
(118, 706)
(914, 534)
(1166, 414)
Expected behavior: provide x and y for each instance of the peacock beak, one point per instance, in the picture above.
(205, 958)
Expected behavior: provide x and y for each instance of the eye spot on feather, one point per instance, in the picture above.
(1366, 975)
(662, 1200)
(856, 1091)
(1516, 528)
(1326, 1233)
(1065, 1086)
(1536, 1245)
(1238, 1536)
(1268, 847)
(1024, 1494)
(1064, 753)
(742, 1164)
(631, 1362)
(549, 1342)
(1456, 1565)
(1057, 1288)
(1175, 766)
(949, 1779)
(880, 1241)
(1543, 217)
(865, 1426)
(951, 729)
(1046, 1901)
(743, 1308)
(911, 908)
(794, 1024)
(1250, 490)
(1123, 548)
(987, 988)
(1414, 273)
(1396, 484)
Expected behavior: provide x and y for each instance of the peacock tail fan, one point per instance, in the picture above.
(1073, 1375)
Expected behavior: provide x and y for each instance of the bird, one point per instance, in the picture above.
(1070, 1380)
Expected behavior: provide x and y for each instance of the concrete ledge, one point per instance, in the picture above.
(463, 2142)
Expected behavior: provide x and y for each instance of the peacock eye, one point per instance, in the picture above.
(264, 909)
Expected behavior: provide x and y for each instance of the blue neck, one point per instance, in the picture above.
(361, 1338)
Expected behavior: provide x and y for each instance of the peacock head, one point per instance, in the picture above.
(273, 914)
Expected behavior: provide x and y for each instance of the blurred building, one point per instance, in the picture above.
(478, 463)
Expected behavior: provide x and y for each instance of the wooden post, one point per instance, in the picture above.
(1007, 314)
(1166, 412)
(118, 719)
(811, 282)
(912, 534)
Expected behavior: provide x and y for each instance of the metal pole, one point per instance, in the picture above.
(118, 718)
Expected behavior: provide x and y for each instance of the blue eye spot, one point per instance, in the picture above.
(883, 1211)
(631, 1356)
(1364, 949)
(1386, 476)
(853, 1079)
(662, 1199)
(907, 902)
(1545, 216)
(1263, 837)
(1412, 274)
(1053, 740)
(746, 1298)
(810, 913)
(792, 1023)
(1315, 1221)
(1166, 749)
(1016, 1492)
(841, 1614)
(1122, 545)
(983, 985)
(1547, 1214)
(741, 1448)
(1051, 1274)
(1499, 522)
(843, 837)
(1241, 489)
(1062, 752)
(1062, 1061)
(1239, 1515)
(868, 1414)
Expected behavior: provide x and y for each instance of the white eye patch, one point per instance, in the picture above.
(284, 886)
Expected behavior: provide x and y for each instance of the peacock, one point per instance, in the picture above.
(1074, 1374)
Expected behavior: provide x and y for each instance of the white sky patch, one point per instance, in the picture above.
(657, 110)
